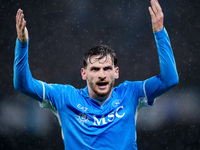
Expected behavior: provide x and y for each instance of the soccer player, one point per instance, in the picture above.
(99, 116)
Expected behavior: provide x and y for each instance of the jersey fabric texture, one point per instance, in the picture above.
(86, 124)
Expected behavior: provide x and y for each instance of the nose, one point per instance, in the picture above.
(102, 75)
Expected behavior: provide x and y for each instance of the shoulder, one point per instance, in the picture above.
(59, 88)
(129, 86)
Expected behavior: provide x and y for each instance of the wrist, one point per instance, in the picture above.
(22, 44)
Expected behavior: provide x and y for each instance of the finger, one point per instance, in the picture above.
(151, 12)
(17, 16)
(23, 25)
(21, 19)
(158, 7)
(21, 16)
(153, 6)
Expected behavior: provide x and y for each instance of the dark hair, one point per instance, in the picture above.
(102, 51)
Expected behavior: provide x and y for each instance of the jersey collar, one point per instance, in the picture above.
(85, 93)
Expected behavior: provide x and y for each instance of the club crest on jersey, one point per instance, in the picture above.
(82, 118)
(115, 103)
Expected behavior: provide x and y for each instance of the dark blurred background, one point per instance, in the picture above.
(62, 30)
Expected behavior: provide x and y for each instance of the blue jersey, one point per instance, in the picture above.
(85, 123)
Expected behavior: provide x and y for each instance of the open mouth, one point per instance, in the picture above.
(102, 84)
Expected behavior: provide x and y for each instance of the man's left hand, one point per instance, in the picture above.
(157, 16)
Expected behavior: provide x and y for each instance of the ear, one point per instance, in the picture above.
(83, 73)
(116, 72)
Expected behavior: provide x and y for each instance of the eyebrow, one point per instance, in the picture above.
(95, 67)
(108, 66)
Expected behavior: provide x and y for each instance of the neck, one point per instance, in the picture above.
(101, 98)
(97, 97)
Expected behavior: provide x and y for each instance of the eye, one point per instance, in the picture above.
(107, 68)
(94, 69)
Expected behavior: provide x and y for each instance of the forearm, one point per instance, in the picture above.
(23, 80)
(168, 76)
(167, 63)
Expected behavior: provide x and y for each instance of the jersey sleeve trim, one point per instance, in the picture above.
(144, 101)
(144, 89)
(43, 91)
(46, 103)
(148, 102)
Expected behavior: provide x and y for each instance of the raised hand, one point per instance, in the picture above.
(22, 31)
(157, 16)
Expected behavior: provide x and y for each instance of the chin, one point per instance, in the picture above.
(103, 94)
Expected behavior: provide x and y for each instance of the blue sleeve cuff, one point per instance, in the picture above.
(22, 44)
(160, 34)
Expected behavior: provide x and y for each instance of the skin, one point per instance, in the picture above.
(22, 32)
(157, 16)
(103, 71)
(100, 76)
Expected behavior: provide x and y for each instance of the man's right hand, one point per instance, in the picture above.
(22, 31)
